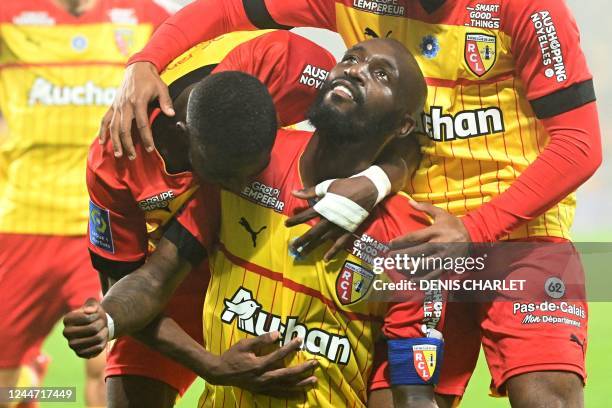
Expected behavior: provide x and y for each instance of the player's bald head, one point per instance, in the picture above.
(412, 89)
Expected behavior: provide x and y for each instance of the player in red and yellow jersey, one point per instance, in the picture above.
(133, 200)
(510, 130)
(258, 284)
(370, 99)
(60, 65)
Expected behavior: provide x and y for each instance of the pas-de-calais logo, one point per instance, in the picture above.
(353, 283)
(424, 356)
(124, 40)
(480, 52)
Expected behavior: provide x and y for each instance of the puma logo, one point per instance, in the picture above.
(576, 340)
(245, 224)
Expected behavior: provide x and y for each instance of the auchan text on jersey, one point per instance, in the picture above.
(46, 93)
(465, 124)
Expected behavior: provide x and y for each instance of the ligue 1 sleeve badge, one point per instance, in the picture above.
(480, 52)
(425, 356)
(100, 233)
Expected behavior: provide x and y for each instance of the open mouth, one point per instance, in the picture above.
(345, 90)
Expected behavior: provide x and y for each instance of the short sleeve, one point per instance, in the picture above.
(291, 66)
(548, 57)
(117, 238)
(395, 217)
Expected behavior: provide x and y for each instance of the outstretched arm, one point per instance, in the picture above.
(130, 304)
(242, 365)
(133, 304)
(204, 20)
(563, 98)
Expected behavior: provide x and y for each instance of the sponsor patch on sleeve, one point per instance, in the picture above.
(100, 233)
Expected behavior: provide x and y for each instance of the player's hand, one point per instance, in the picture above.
(86, 329)
(360, 190)
(244, 366)
(447, 237)
(141, 85)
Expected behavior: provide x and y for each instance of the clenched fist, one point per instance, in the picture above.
(86, 329)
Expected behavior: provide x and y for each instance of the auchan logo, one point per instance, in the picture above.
(44, 92)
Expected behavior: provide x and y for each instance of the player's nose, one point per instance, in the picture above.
(356, 72)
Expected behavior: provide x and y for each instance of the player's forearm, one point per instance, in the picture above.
(135, 300)
(167, 337)
(199, 21)
(571, 157)
(206, 19)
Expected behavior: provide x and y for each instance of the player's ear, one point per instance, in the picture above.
(182, 126)
(407, 125)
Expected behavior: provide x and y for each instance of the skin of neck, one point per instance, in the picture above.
(323, 159)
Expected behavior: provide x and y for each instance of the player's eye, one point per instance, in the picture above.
(381, 75)
(351, 59)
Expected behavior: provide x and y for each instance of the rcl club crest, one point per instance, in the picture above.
(353, 283)
(124, 40)
(480, 52)
(424, 356)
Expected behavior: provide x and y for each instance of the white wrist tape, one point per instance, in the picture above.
(110, 323)
(341, 211)
(380, 179)
(322, 187)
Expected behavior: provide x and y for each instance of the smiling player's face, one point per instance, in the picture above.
(365, 79)
(363, 91)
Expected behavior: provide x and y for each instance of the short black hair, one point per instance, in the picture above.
(232, 113)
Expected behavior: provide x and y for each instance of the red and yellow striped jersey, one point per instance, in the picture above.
(58, 75)
(257, 285)
(492, 68)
